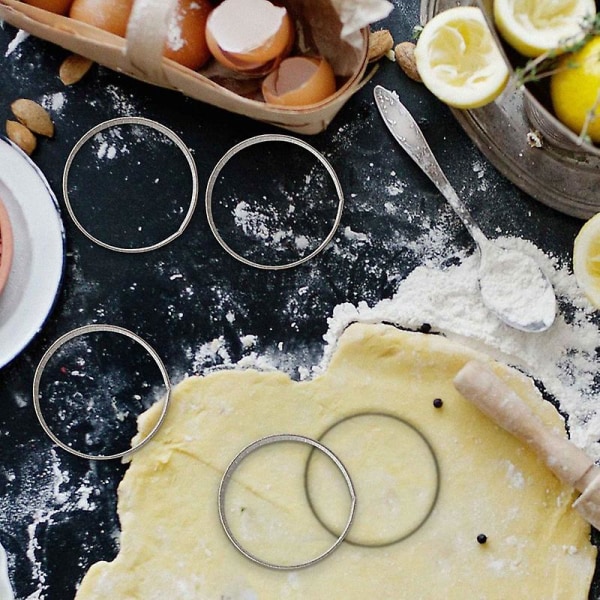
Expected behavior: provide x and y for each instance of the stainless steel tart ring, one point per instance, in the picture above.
(166, 132)
(93, 329)
(274, 439)
(259, 139)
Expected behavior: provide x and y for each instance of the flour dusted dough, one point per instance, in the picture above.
(173, 546)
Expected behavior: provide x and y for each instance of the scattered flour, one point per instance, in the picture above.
(514, 476)
(564, 358)
(54, 102)
(252, 221)
(106, 151)
(16, 42)
(211, 353)
(122, 103)
(215, 355)
(45, 495)
(355, 236)
(480, 169)
(109, 143)
(248, 340)
(397, 187)
(264, 226)
(175, 39)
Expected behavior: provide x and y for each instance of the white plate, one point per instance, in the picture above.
(39, 251)
(5, 589)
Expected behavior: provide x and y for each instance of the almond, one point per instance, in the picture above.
(21, 136)
(405, 57)
(380, 43)
(34, 116)
(73, 68)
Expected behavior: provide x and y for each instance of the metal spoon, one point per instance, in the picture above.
(512, 285)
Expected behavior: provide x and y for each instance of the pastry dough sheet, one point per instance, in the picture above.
(428, 482)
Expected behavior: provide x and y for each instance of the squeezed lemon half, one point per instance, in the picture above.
(586, 259)
(533, 27)
(458, 59)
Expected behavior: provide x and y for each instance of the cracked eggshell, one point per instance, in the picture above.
(299, 81)
(249, 35)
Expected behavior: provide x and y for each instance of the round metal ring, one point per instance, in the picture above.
(273, 439)
(82, 331)
(153, 125)
(275, 137)
(429, 509)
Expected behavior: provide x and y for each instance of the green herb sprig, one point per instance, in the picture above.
(551, 61)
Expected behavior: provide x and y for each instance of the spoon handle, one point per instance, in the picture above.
(410, 137)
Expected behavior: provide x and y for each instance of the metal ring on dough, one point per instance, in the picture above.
(274, 137)
(436, 465)
(82, 331)
(166, 132)
(273, 439)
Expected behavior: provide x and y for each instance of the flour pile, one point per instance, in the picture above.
(564, 359)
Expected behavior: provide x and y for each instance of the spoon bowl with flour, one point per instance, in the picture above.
(512, 285)
(515, 289)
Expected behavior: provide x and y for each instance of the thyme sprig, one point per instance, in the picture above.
(547, 63)
(590, 115)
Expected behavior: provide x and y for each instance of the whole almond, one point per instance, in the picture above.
(380, 43)
(405, 57)
(21, 136)
(34, 116)
(73, 68)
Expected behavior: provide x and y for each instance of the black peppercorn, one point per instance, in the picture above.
(482, 538)
(438, 402)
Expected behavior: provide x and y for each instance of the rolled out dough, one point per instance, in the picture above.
(428, 482)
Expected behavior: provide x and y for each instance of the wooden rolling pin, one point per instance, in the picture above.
(481, 386)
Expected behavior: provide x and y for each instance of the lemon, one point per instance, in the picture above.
(575, 89)
(458, 60)
(533, 27)
(586, 259)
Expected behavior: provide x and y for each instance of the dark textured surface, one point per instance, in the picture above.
(58, 512)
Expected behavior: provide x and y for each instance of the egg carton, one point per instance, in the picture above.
(139, 55)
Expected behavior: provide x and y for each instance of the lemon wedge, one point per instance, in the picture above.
(533, 27)
(458, 59)
(586, 259)
(575, 90)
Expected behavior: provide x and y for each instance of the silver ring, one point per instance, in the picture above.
(165, 131)
(82, 331)
(273, 439)
(434, 499)
(275, 137)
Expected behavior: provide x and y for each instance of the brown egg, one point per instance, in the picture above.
(110, 15)
(60, 7)
(298, 81)
(249, 35)
(186, 40)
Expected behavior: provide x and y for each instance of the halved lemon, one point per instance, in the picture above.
(458, 59)
(533, 27)
(586, 259)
